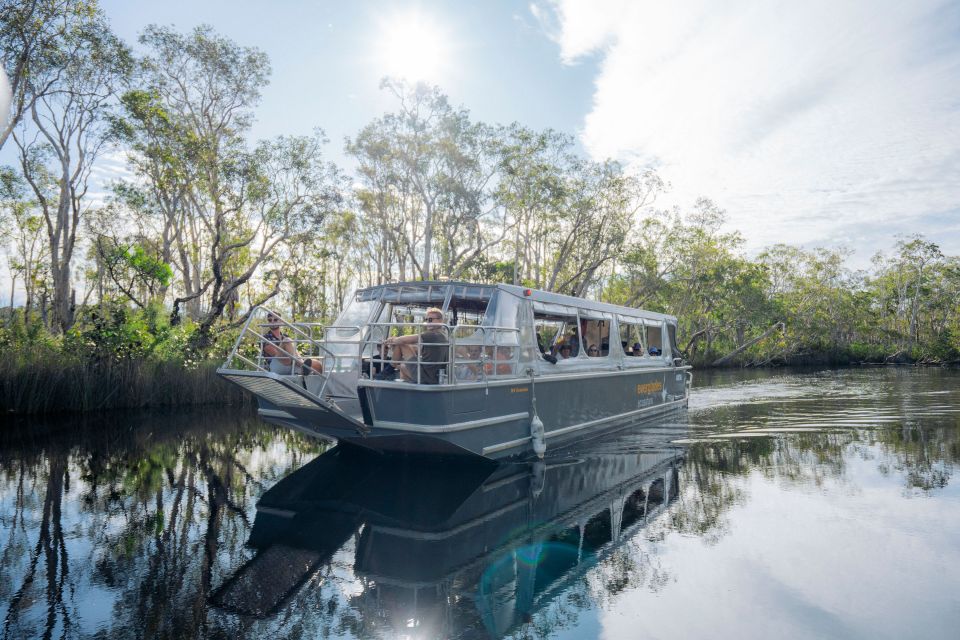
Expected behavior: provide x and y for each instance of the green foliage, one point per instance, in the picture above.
(27, 332)
(111, 332)
(497, 271)
(685, 265)
(148, 267)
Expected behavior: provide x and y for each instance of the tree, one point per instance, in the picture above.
(23, 228)
(531, 190)
(915, 289)
(286, 190)
(320, 266)
(815, 296)
(222, 211)
(596, 216)
(429, 181)
(185, 123)
(66, 133)
(36, 38)
(134, 269)
(159, 151)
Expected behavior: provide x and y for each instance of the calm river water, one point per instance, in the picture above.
(786, 505)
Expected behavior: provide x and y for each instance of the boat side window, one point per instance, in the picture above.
(423, 359)
(465, 316)
(654, 337)
(553, 331)
(473, 343)
(556, 329)
(595, 329)
(632, 336)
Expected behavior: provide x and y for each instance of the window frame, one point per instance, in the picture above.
(595, 316)
(640, 324)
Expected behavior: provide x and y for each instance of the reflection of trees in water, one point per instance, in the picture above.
(925, 456)
(46, 571)
(150, 518)
(711, 480)
(151, 511)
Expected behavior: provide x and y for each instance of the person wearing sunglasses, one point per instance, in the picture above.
(433, 347)
(281, 353)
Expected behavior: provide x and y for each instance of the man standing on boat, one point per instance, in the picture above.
(433, 347)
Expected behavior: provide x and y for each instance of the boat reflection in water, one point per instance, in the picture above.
(448, 549)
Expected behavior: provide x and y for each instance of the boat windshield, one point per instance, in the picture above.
(377, 312)
(344, 335)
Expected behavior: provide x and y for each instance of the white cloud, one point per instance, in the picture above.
(817, 122)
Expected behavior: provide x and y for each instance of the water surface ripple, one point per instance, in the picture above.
(781, 504)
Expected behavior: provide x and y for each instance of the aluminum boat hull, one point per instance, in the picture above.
(489, 419)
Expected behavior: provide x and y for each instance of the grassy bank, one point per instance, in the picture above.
(34, 385)
(113, 358)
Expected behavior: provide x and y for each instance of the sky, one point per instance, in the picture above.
(815, 123)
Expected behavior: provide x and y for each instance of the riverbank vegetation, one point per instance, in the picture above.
(142, 222)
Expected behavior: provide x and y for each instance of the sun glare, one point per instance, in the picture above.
(414, 47)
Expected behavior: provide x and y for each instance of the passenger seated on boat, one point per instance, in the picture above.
(637, 349)
(655, 351)
(593, 351)
(574, 339)
(566, 351)
(281, 353)
(502, 354)
(469, 370)
(434, 349)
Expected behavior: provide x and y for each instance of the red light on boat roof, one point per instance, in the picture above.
(527, 292)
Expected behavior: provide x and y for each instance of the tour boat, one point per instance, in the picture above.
(490, 380)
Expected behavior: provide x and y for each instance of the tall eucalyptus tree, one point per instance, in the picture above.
(531, 189)
(185, 122)
(598, 215)
(66, 133)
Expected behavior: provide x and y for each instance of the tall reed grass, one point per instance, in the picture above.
(47, 383)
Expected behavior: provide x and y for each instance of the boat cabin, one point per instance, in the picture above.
(495, 330)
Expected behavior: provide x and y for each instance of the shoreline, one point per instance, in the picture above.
(43, 388)
(29, 390)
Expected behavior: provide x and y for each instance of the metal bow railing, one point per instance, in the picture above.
(468, 353)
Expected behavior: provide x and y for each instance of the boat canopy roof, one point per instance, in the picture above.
(477, 296)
